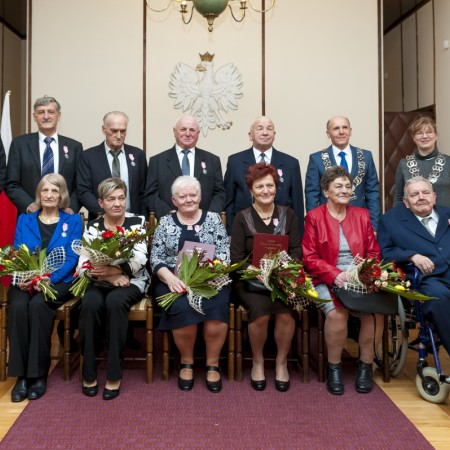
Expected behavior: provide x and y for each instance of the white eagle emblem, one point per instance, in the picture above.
(209, 95)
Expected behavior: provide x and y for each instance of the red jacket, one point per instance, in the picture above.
(321, 241)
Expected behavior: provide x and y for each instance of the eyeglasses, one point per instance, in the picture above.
(424, 133)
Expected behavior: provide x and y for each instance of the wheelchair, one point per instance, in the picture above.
(432, 384)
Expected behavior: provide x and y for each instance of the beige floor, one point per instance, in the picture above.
(432, 420)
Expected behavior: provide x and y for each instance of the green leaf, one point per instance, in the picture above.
(204, 290)
(412, 295)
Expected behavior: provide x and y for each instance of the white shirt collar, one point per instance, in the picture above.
(179, 149)
(267, 153)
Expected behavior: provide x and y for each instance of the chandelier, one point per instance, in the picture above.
(210, 9)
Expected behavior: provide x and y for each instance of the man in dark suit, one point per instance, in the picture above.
(2, 166)
(418, 232)
(27, 156)
(184, 158)
(290, 189)
(113, 158)
(358, 162)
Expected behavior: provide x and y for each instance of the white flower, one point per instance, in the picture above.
(384, 283)
(384, 275)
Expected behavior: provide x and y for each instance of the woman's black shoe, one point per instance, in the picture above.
(282, 386)
(90, 391)
(110, 394)
(335, 384)
(186, 385)
(214, 386)
(258, 385)
(37, 388)
(363, 382)
(20, 390)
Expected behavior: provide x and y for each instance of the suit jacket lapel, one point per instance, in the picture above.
(33, 146)
(354, 161)
(331, 156)
(131, 167)
(32, 229)
(443, 223)
(411, 222)
(173, 163)
(199, 159)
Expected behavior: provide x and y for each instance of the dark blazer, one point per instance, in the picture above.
(24, 169)
(93, 168)
(27, 232)
(2, 166)
(367, 193)
(289, 191)
(401, 235)
(165, 167)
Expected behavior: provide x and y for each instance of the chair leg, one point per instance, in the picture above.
(66, 356)
(321, 346)
(238, 333)
(165, 355)
(3, 342)
(305, 344)
(149, 344)
(231, 344)
(386, 368)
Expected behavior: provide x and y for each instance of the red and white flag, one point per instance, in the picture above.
(8, 212)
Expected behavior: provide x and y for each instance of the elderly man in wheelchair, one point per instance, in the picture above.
(417, 233)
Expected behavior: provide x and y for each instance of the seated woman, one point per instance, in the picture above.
(30, 317)
(334, 234)
(107, 303)
(264, 216)
(190, 223)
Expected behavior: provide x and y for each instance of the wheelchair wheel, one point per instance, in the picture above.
(397, 342)
(431, 389)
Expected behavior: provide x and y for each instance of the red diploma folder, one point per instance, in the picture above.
(189, 247)
(265, 244)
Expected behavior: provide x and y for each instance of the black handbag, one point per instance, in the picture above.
(375, 303)
(255, 286)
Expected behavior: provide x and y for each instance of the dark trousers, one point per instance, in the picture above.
(437, 311)
(30, 326)
(109, 307)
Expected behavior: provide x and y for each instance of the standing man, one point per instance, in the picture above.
(34, 155)
(357, 162)
(290, 188)
(113, 158)
(184, 158)
(418, 232)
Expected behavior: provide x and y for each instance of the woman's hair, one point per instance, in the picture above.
(109, 185)
(185, 181)
(421, 122)
(260, 170)
(332, 174)
(57, 180)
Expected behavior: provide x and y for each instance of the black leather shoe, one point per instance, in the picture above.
(282, 386)
(334, 382)
(20, 390)
(214, 386)
(90, 391)
(110, 394)
(186, 385)
(258, 385)
(37, 388)
(363, 382)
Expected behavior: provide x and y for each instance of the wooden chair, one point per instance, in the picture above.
(62, 313)
(301, 359)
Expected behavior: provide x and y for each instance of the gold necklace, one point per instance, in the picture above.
(47, 219)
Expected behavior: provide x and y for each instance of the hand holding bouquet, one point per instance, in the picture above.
(202, 278)
(107, 247)
(32, 268)
(286, 279)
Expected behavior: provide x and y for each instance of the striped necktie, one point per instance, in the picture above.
(48, 165)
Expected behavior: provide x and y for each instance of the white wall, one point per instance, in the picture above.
(320, 61)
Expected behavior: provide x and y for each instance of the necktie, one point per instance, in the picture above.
(425, 221)
(47, 162)
(115, 164)
(263, 158)
(185, 166)
(343, 161)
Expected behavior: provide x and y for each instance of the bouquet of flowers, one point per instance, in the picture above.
(25, 266)
(107, 247)
(202, 278)
(286, 278)
(366, 275)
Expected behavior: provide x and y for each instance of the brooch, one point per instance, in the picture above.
(132, 159)
(280, 175)
(65, 227)
(66, 152)
(203, 164)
